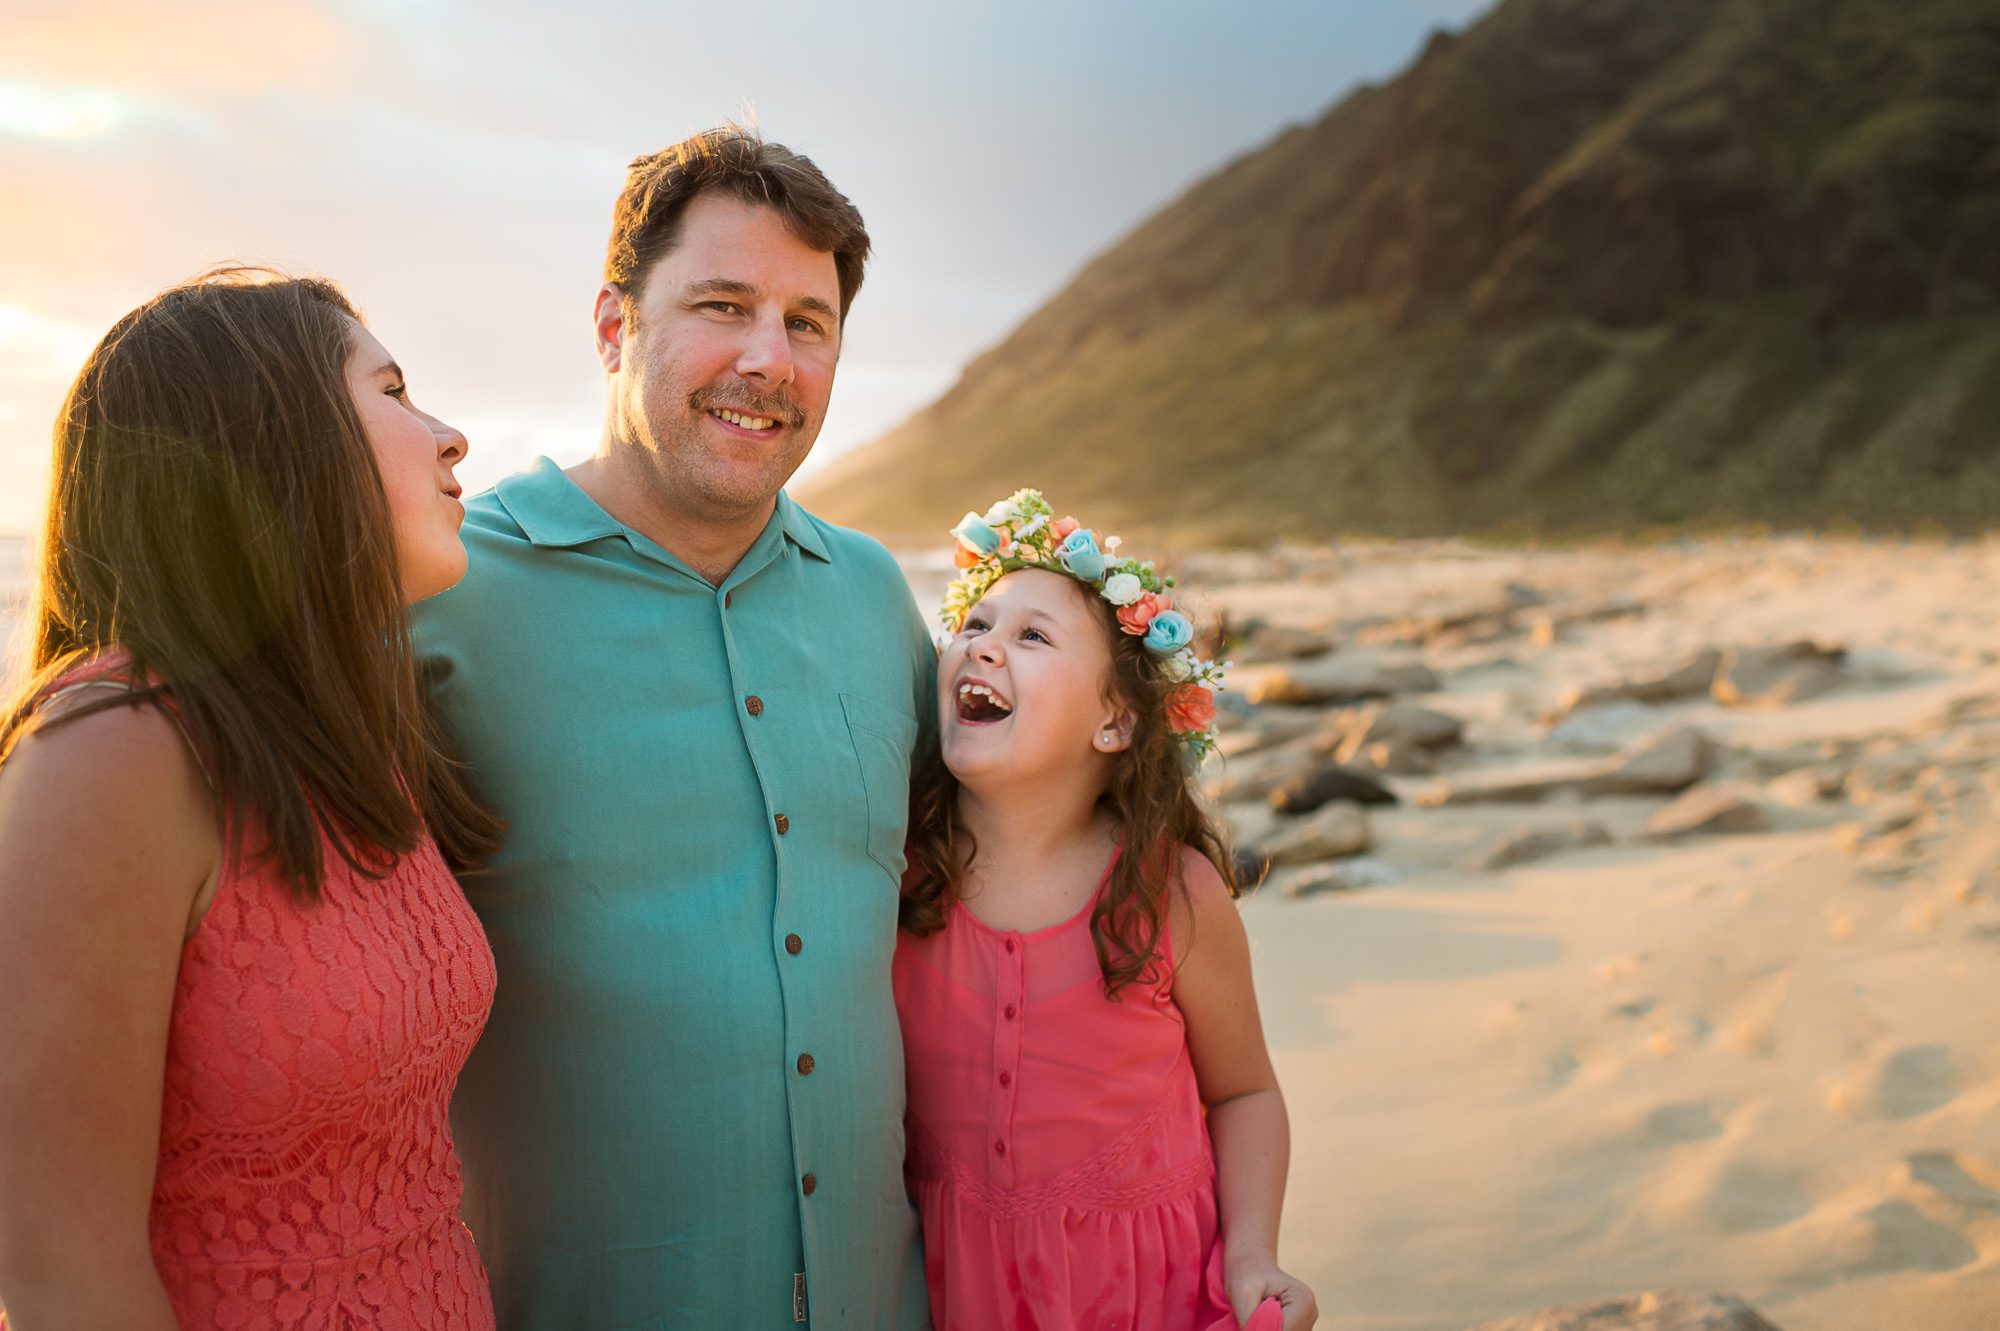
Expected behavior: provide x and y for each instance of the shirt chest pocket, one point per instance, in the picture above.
(883, 739)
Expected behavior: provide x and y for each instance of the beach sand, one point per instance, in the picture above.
(1757, 1063)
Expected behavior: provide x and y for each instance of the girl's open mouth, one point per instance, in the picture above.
(978, 704)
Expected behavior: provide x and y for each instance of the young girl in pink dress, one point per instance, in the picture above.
(1096, 1137)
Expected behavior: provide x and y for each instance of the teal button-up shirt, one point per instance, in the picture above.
(686, 1111)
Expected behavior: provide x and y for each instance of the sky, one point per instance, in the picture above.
(453, 165)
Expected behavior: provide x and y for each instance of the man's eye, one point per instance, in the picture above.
(726, 306)
(805, 326)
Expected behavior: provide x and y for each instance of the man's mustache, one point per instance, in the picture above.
(778, 406)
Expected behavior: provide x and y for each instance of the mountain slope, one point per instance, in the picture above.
(1590, 263)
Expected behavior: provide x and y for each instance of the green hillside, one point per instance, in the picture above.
(1591, 263)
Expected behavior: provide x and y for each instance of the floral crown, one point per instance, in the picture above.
(1022, 531)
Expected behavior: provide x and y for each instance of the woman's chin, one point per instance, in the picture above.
(438, 574)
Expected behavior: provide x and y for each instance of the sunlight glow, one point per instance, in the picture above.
(27, 336)
(57, 111)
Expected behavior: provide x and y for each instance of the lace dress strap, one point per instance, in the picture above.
(125, 686)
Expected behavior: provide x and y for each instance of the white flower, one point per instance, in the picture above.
(1113, 542)
(1122, 589)
(1180, 667)
(1003, 511)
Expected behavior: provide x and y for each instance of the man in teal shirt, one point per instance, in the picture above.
(696, 705)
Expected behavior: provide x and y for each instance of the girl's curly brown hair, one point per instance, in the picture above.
(1152, 798)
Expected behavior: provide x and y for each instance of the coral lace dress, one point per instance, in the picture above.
(306, 1176)
(1057, 1151)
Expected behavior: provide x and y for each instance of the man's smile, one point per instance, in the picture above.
(742, 420)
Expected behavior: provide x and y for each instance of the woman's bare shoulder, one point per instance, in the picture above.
(124, 770)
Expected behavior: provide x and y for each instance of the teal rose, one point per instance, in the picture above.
(1169, 632)
(977, 535)
(1080, 555)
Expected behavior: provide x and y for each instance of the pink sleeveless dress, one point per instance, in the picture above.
(1058, 1155)
(306, 1176)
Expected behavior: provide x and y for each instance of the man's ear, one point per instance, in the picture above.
(608, 322)
(1114, 729)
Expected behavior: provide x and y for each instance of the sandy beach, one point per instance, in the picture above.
(1753, 1055)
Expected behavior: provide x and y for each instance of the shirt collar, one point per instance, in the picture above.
(801, 529)
(551, 509)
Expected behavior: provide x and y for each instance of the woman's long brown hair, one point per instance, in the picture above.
(1152, 800)
(218, 518)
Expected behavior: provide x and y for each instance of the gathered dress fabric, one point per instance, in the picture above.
(1058, 1154)
(306, 1174)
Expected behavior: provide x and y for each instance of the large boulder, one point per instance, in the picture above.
(1253, 776)
(1338, 830)
(1263, 727)
(1665, 763)
(1690, 679)
(1259, 641)
(1335, 678)
(1520, 783)
(1404, 722)
(1775, 676)
(1393, 757)
(1537, 843)
(1807, 786)
(1603, 726)
(1311, 790)
(1704, 809)
(1654, 1310)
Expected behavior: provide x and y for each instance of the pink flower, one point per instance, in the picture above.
(1061, 528)
(1137, 617)
(1190, 707)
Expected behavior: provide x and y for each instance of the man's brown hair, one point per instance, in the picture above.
(732, 160)
(218, 525)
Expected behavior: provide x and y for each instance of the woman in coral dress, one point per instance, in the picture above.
(241, 979)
